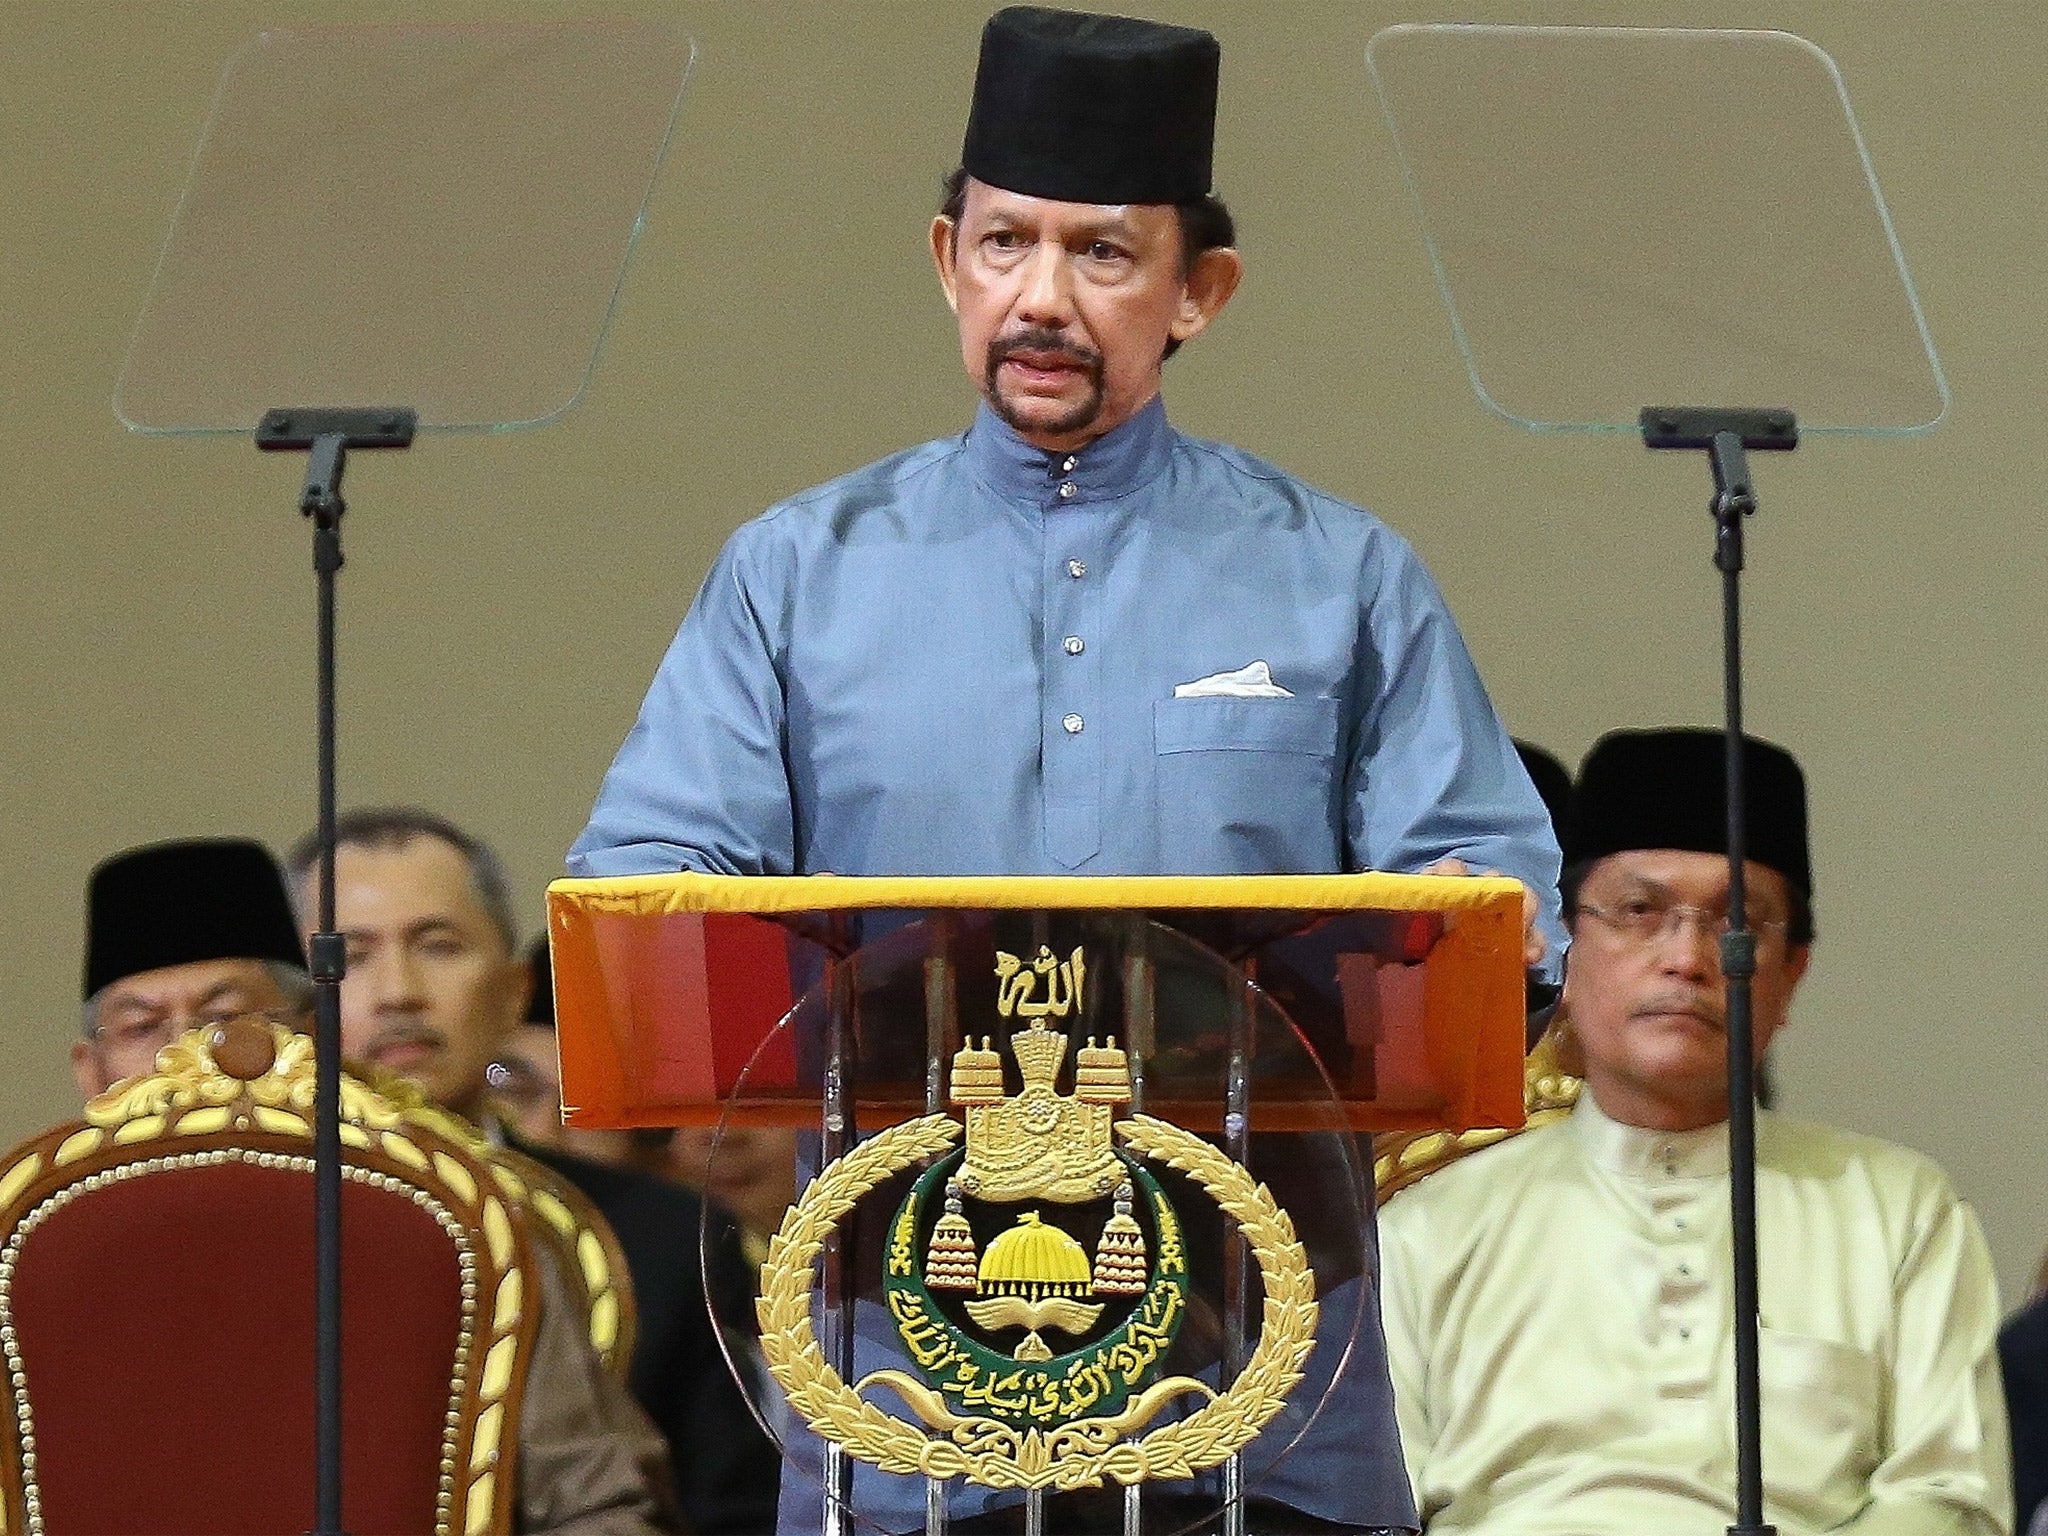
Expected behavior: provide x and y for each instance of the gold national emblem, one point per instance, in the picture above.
(1036, 1275)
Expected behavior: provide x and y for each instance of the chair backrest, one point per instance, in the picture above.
(1548, 1093)
(156, 1309)
(586, 1250)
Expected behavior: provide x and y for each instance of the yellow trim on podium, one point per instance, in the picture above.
(657, 895)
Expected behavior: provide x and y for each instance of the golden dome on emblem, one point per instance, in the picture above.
(1033, 1259)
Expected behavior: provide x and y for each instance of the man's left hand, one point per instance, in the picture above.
(1533, 947)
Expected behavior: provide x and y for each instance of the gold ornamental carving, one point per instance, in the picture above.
(1036, 1275)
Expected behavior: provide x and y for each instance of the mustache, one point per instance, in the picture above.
(1697, 1004)
(405, 1031)
(1052, 343)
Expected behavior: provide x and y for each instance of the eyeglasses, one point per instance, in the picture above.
(1642, 921)
(155, 1034)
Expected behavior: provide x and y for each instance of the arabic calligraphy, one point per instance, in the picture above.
(1035, 1394)
(1017, 985)
(903, 1243)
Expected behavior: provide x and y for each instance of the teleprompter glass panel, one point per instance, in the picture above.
(1624, 217)
(429, 216)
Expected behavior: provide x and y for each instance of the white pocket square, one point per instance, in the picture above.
(1254, 681)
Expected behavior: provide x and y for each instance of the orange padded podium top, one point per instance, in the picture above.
(669, 989)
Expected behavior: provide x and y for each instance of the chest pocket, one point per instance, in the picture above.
(1247, 786)
(1822, 1405)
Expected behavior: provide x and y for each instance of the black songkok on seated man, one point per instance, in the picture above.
(1669, 789)
(1093, 109)
(181, 902)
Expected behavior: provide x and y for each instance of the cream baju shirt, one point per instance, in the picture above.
(1559, 1330)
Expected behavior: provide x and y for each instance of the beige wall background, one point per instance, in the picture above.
(506, 599)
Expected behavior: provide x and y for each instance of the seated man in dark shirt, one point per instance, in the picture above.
(435, 983)
(2023, 1355)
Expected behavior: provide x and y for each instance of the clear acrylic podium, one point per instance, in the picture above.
(1139, 1068)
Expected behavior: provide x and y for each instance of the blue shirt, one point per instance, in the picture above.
(963, 660)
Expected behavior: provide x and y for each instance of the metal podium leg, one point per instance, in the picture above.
(1237, 1106)
(941, 1039)
(1140, 1002)
(1140, 999)
(837, 1261)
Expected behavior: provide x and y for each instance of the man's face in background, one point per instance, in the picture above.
(525, 1082)
(433, 987)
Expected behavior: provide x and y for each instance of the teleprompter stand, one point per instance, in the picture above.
(1713, 231)
(458, 250)
(1726, 437)
(328, 435)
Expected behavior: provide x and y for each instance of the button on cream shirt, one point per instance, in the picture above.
(1558, 1314)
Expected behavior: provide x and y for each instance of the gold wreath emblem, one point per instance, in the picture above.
(1080, 1454)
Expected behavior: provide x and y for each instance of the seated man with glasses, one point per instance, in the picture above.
(185, 934)
(178, 935)
(1558, 1307)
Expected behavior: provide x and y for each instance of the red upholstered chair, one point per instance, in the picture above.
(156, 1309)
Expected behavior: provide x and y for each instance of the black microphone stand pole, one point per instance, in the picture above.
(328, 435)
(1726, 435)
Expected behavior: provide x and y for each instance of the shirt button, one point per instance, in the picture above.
(1074, 645)
(1073, 723)
(1066, 489)
(1072, 459)
(1077, 569)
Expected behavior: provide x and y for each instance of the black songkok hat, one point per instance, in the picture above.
(1668, 789)
(540, 1000)
(177, 903)
(1552, 779)
(1093, 109)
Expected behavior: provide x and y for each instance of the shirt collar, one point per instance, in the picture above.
(1645, 1156)
(1117, 463)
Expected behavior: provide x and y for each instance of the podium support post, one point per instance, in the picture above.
(840, 1287)
(1726, 436)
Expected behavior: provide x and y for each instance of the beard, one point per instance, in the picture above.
(1050, 343)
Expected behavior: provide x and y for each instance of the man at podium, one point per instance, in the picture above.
(1073, 640)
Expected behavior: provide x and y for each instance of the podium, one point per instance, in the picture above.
(1083, 1208)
